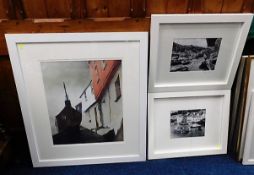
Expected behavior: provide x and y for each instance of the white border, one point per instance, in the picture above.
(219, 149)
(157, 19)
(142, 37)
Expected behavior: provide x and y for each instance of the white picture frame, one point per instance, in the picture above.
(28, 52)
(164, 140)
(218, 37)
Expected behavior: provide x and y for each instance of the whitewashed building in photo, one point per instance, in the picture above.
(101, 100)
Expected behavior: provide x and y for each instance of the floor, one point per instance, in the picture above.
(205, 165)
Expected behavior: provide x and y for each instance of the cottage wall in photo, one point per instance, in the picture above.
(101, 99)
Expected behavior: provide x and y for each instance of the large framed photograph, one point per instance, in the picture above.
(205, 47)
(190, 123)
(80, 103)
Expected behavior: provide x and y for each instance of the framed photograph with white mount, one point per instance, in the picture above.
(190, 123)
(196, 51)
(80, 102)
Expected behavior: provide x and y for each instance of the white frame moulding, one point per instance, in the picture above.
(221, 148)
(157, 20)
(18, 41)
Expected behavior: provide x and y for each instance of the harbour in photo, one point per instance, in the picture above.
(194, 54)
(187, 123)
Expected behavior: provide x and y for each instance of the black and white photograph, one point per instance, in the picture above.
(84, 100)
(187, 123)
(194, 54)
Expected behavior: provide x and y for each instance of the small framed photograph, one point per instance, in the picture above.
(80, 103)
(190, 123)
(196, 51)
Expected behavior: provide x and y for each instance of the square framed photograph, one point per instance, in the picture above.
(196, 51)
(190, 123)
(80, 103)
